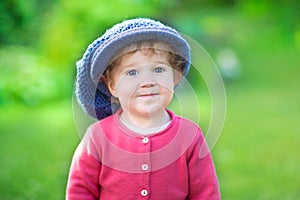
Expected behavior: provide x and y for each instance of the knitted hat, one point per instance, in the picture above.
(94, 96)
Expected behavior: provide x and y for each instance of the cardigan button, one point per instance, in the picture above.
(145, 167)
(145, 140)
(144, 193)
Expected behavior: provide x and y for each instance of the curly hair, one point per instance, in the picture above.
(147, 47)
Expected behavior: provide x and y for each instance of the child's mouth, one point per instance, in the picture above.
(148, 95)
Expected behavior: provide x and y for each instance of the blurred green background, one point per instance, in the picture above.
(255, 43)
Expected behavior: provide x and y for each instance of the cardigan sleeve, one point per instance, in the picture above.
(83, 181)
(203, 182)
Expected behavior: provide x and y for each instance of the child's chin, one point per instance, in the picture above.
(149, 109)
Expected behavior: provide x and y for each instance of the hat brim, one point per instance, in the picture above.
(109, 49)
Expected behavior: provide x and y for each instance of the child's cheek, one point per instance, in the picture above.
(167, 84)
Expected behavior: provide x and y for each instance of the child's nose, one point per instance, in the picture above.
(148, 84)
(147, 80)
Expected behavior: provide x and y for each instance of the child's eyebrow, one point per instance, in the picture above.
(164, 63)
(136, 65)
(130, 65)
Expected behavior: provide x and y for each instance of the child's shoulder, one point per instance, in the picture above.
(188, 128)
(185, 122)
(103, 123)
(95, 132)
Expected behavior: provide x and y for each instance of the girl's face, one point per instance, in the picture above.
(143, 83)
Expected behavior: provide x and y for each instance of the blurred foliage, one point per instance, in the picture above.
(21, 20)
(73, 25)
(26, 77)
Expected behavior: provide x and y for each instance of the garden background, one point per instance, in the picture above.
(257, 154)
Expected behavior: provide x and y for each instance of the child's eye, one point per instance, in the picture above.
(159, 70)
(132, 72)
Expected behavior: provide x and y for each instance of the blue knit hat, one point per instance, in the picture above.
(93, 96)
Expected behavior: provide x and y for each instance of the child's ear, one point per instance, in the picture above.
(111, 88)
(177, 77)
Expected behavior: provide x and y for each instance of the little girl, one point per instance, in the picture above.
(138, 149)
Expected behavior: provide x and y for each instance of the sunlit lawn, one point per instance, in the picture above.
(36, 147)
(257, 155)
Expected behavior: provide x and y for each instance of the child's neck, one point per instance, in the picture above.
(151, 120)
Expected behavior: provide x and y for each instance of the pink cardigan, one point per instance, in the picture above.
(114, 163)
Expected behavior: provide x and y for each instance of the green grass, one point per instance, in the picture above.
(257, 156)
(36, 148)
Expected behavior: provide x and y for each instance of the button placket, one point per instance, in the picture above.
(145, 163)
